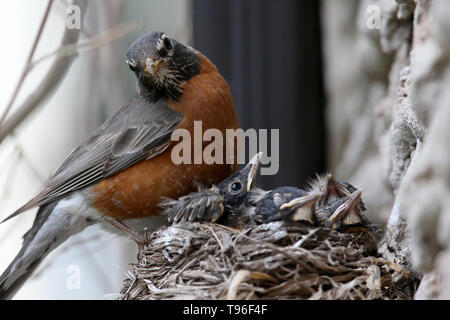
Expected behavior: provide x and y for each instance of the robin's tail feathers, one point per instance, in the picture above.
(54, 223)
(21, 267)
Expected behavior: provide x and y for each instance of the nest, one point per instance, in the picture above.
(270, 261)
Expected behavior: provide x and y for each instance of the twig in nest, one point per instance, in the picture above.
(237, 279)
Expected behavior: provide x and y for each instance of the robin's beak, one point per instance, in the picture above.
(251, 169)
(349, 210)
(152, 66)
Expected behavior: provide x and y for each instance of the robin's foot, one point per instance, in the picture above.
(141, 239)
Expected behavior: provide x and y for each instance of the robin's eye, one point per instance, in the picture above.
(164, 47)
(236, 186)
(167, 43)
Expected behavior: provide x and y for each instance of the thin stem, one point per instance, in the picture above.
(27, 64)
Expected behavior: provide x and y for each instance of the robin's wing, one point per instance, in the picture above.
(138, 131)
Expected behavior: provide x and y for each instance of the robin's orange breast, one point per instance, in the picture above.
(137, 191)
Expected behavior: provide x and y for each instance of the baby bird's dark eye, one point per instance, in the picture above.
(236, 186)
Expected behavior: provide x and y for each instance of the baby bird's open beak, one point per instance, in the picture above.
(334, 186)
(304, 207)
(302, 201)
(349, 212)
(251, 169)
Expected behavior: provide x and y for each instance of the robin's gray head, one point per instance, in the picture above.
(235, 189)
(161, 65)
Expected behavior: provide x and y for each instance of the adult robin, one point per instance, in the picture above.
(123, 170)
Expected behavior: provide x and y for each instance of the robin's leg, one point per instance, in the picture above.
(140, 239)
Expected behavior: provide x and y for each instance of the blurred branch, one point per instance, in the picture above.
(50, 82)
(93, 42)
(16, 157)
(28, 63)
(23, 156)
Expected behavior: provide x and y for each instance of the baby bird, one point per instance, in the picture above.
(340, 206)
(284, 203)
(236, 202)
(224, 203)
(327, 202)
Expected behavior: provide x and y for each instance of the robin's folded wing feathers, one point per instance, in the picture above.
(139, 130)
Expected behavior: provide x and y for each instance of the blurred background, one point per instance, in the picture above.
(332, 75)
